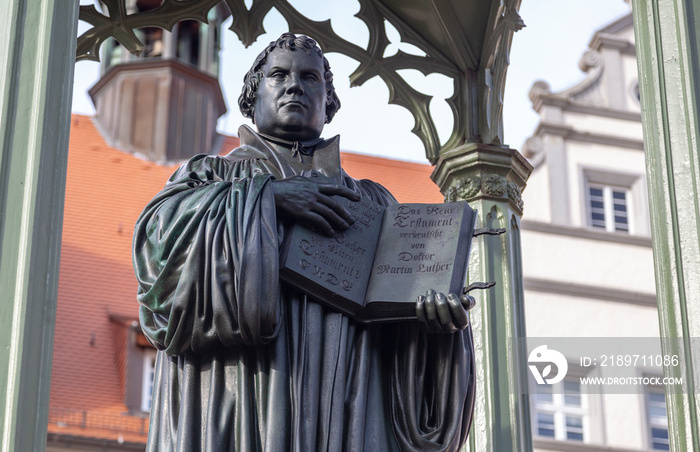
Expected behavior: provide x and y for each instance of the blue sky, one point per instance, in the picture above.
(549, 47)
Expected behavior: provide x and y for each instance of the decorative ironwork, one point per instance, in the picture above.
(248, 26)
(479, 285)
(492, 185)
(488, 231)
(120, 25)
(504, 21)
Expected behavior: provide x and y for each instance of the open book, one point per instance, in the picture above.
(376, 269)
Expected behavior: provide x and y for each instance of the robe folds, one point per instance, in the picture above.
(248, 363)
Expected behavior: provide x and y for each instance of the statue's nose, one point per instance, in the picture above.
(294, 85)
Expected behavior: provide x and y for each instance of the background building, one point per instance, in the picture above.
(587, 257)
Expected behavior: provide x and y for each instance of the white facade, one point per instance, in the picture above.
(587, 255)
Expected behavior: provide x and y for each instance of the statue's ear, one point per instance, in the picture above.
(329, 102)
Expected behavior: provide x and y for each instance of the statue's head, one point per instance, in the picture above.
(289, 93)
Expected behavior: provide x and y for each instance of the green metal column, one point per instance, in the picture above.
(491, 178)
(668, 54)
(37, 56)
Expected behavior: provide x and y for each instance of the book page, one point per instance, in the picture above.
(335, 269)
(421, 247)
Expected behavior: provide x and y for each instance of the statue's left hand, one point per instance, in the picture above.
(440, 313)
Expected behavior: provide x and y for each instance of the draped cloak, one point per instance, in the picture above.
(248, 363)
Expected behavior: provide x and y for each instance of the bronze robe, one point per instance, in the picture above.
(247, 363)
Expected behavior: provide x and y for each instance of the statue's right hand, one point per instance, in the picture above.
(310, 202)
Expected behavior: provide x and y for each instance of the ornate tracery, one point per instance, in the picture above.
(476, 68)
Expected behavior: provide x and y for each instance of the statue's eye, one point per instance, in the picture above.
(276, 76)
(310, 77)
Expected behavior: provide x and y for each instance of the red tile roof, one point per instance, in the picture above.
(407, 181)
(106, 190)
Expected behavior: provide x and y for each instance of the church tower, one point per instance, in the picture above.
(165, 103)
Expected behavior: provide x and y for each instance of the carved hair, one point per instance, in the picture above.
(288, 41)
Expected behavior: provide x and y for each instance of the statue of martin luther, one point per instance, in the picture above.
(248, 363)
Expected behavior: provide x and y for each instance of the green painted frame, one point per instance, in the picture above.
(37, 41)
(668, 58)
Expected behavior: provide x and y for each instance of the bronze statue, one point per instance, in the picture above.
(247, 363)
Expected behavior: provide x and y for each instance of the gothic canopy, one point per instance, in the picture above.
(466, 40)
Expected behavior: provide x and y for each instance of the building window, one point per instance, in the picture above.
(613, 201)
(608, 208)
(561, 411)
(657, 418)
(149, 370)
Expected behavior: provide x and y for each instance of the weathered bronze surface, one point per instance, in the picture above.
(249, 363)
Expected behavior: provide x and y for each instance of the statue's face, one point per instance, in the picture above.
(291, 99)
